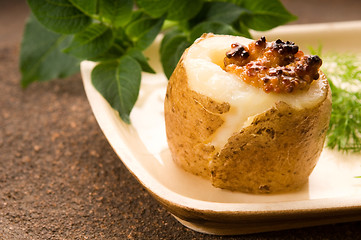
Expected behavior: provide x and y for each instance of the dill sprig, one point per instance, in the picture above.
(344, 75)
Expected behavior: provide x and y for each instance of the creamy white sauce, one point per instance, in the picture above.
(203, 63)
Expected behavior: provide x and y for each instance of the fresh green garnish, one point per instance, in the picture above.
(344, 74)
(59, 34)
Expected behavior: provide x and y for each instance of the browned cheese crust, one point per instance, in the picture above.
(191, 118)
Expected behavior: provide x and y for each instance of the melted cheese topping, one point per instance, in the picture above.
(204, 67)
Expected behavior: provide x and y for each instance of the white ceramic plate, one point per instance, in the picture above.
(333, 194)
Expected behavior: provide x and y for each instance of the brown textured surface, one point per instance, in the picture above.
(191, 119)
(249, 163)
(59, 178)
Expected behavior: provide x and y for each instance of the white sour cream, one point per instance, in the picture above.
(203, 63)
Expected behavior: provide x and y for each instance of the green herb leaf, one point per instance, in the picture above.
(155, 8)
(242, 29)
(136, 15)
(184, 10)
(44, 60)
(227, 14)
(91, 42)
(141, 59)
(144, 30)
(175, 9)
(168, 35)
(119, 83)
(119, 47)
(89, 7)
(263, 15)
(117, 13)
(59, 16)
(114, 33)
(113, 53)
(172, 48)
(122, 39)
(344, 75)
(212, 27)
(224, 12)
(345, 131)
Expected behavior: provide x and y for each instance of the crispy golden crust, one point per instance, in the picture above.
(191, 119)
(277, 152)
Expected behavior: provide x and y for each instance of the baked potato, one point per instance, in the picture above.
(248, 115)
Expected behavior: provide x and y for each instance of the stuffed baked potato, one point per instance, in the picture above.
(249, 116)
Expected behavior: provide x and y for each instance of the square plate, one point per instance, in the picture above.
(332, 195)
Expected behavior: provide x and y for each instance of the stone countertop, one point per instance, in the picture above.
(60, 179)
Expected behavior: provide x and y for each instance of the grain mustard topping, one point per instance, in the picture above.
(273, 66)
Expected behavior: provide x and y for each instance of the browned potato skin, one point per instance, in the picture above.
(191, 118)
(276, 153)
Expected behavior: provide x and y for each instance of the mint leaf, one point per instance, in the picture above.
(59, 16)
(212, 27)
(141, 59)
(89, 7)
(155, 8)
(263, 15)
(41, 58)
(119, 84)
(117, 13)
(144, 30)
(183, 10)
(91, 42)
(172, 48)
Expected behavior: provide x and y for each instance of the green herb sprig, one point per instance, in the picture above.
(59, 34)
(344, 75)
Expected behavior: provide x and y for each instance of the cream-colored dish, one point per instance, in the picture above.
(332, 194)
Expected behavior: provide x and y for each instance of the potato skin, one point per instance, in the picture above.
(191, 118)
(276, 153)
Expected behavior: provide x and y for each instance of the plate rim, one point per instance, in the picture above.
(185, 207)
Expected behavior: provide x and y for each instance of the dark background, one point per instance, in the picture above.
(60, 179)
